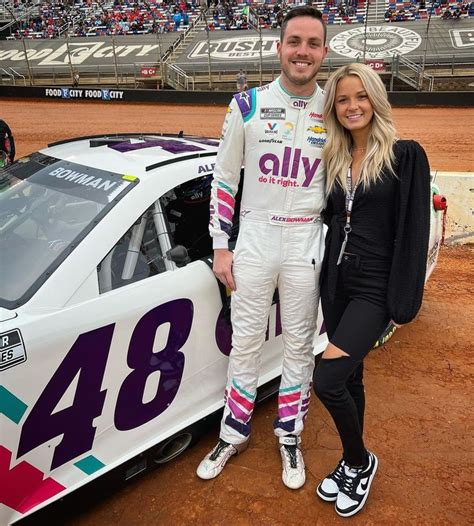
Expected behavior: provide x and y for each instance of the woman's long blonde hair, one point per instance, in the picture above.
(337, 151)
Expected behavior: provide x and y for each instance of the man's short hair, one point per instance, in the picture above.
(303, 10)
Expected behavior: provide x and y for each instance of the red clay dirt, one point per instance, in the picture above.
(446, 133)
(418, 421)
(418, 404)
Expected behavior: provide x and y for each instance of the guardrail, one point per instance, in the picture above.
(14, 19)
(183, 36)
(9, 75)
(19, 75)
(411, 73)
(126, 75)
(195, 75)
(178, 79)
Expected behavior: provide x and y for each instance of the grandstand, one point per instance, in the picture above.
(156, 44)
(31, 19)
(406, 10)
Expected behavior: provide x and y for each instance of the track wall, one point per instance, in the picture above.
(438, 98)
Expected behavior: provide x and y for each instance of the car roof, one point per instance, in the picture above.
(137, 154)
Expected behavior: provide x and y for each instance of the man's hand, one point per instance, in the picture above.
(222, 267)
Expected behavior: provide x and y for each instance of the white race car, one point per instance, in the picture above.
(113, 337)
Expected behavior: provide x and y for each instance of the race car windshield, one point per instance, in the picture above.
(46, 207)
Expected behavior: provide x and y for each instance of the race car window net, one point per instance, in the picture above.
(47, 206)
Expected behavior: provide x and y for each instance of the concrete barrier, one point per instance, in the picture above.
(458, 188)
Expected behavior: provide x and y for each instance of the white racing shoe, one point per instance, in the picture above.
(214, 462)
(293, 470)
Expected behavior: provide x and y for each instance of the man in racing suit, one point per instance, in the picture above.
(277, 132)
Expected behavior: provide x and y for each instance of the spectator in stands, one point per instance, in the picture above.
(75, 79)
(279, 17)
(90, 18)
(177, 20)
(241, 81)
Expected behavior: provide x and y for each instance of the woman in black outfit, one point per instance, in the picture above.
(374, 267)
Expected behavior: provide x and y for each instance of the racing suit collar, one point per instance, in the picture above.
(288, 97)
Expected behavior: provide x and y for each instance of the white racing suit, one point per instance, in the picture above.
(278, 138)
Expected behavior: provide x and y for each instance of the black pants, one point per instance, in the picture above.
(354, 321)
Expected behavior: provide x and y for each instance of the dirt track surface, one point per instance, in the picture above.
(418, 404)
(445, 133)
(418, 421)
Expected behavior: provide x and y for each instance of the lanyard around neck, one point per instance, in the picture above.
(349, 202)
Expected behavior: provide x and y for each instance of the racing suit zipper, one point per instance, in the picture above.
(290, 191)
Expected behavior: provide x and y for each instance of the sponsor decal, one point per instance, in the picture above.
(83, 179)
(12, 349)
(82, 371)
(147, 71)
(271, 141)
(79, 53)
(316, 116)
(433, 254)
(263, 88)
(288, 131)
(206, 168)
(381, 42)
(229, 109)
(376, 65)
(78, 388)
(168, 145)
(317, 129)
(292, 219)
(272, 113)
(301, 104)
(462, 38)
(93, 184)
(271, 128)
(319, 142)
(69, 93)
(284, 171)
(236, 48)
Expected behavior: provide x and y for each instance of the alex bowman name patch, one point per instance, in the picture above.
(12, 349)
(273, 113)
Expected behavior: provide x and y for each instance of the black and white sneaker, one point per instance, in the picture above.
(355, 487)
(329, 487)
